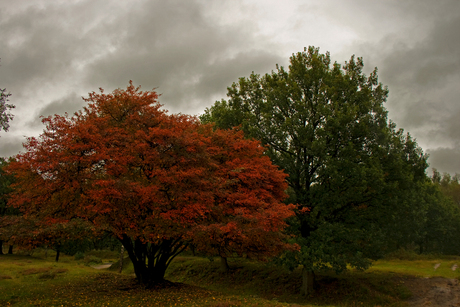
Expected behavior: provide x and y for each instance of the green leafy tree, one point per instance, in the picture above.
(442, 220)
(5, 115)
(449, 185)
(349, 168)
(5, 211)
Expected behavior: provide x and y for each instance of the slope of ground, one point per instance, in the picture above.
(436, 291)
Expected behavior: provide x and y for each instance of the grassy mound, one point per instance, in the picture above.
(273, 283)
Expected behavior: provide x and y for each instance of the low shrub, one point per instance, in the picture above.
(92, 260)
(79, 255)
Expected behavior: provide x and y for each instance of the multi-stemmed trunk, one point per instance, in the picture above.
(151, 260)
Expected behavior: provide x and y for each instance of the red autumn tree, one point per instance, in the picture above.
(27, 232)
(156, 181)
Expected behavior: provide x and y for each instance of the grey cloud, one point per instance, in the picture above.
(69, 104)
(53, 52)
(445, 160)
(177, 50)
(418, 58)
(424, 81)
(426, 72)
(10, 145)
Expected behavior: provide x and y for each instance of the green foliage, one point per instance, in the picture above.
(6, 181)
(441, 223)
(5, 115)
(79, 255)
(92, 260)
(355, 177)
(6, 212)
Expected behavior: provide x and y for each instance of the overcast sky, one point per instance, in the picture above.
(54, 52)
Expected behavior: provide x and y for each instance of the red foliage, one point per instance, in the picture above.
(27, 232)
(128, 167)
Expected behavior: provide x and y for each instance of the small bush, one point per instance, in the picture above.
(79, 255)
(127, 264)
(104, 254)
(35, 271)
(92, 260)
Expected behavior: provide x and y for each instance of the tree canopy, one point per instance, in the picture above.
(350, 171)
(158, 182)
(5, 115)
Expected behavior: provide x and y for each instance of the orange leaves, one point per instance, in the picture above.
(125, 165)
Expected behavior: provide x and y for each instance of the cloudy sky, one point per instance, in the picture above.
(53, 52)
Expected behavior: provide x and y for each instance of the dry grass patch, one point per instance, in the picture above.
(35, 271)
(5, 277)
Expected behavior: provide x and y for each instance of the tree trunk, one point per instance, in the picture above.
(10, 249)
(1, 247)
(58, 251)
(308, 282)
(224, 265)
(150, 261)
(121, 257)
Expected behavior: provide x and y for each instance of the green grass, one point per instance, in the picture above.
(420, 268)
(39, 281)
(253, 279)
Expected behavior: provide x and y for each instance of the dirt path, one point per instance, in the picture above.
(102, 266)
(436, 291)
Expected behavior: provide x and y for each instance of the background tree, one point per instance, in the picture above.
(441, 226)
(6, 212)
(153, 180)
(5, 115)
(349, 169)
(449, 185)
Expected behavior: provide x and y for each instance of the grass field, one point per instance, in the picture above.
(37, 280)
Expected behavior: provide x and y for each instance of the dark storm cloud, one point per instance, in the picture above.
(10, 145)
(176, 48)
(54, 52)
(445, 160)
(426, 79)
(69, 104)
(420, 62)
(42, 43)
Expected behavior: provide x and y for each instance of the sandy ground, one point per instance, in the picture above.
(102, 266)
(436, 291)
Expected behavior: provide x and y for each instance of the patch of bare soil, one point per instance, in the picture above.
(102, 266)
(436, 291)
